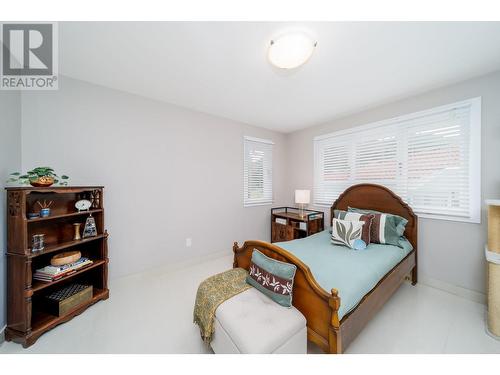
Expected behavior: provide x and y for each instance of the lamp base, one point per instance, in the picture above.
(301, 210)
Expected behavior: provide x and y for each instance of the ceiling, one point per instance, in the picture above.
(222, 68)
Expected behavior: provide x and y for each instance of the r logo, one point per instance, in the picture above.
(27, 49)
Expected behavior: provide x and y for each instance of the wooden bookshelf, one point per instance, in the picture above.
(27, 316)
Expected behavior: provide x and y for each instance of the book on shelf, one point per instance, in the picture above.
(53, 273)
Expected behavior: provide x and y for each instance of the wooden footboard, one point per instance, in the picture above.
(319, 307)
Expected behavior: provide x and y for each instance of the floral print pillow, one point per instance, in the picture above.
(272, 277)
(348, 233)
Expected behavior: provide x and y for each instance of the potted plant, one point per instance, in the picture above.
(39, 177)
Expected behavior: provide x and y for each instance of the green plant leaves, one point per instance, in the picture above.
(36, 173)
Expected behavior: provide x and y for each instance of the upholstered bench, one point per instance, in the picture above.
(251, 322)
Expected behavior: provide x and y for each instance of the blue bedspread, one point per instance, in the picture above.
(352, 272)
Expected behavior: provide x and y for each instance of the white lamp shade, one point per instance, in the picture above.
(302, 196)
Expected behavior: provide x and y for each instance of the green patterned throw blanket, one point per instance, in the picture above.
(211, 293)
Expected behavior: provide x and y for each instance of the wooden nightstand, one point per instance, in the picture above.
(287, 223)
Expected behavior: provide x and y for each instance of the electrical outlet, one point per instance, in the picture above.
(189, 242)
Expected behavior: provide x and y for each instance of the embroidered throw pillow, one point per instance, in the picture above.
(386, 228)
(348, 233)
(272, 277)
(354, 216)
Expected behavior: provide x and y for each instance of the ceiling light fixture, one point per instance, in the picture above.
(291, 50)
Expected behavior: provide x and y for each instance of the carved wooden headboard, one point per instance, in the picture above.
(379, 198)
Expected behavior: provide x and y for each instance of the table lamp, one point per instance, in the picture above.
(302, 197)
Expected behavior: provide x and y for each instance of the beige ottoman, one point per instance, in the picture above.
(251, 322)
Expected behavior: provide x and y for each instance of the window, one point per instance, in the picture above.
(258, 171)
(432, 159)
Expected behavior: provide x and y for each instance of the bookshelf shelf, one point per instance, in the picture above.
(65, 245)
(40, 285)
(62, 216)
(42, 321)
(28, 315)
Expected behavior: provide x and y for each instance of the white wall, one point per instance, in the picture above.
(169, 173)
(450, 252)
(10, 161)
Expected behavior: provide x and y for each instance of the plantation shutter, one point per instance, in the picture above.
(258, 171)
(431, 159)
(333, 162)
(438, 164)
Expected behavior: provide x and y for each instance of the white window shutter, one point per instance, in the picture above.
(258, 172)
(431, 159)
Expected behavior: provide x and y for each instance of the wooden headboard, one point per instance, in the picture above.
(379, 198)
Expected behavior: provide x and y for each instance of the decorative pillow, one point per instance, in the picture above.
(348, 233)
(386, 228)
(354, 216)
(272, 277)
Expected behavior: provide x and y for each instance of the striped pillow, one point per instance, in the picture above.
(354, 216)
(386, 228)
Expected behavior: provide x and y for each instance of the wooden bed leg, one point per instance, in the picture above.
(334, 336)
(235, 249)
(414, 275)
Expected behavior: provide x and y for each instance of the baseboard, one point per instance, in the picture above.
(192, 262)
(2, 335)
(453, 289)
(177, 266)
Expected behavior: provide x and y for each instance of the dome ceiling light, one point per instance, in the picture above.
(291, 50)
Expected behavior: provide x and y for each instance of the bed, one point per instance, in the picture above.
(332, 322)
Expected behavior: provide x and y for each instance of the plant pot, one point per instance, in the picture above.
(43, 181)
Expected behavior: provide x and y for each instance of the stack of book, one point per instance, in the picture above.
(53, 273)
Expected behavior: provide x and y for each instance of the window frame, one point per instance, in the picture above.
(474, 159)
(245, 186)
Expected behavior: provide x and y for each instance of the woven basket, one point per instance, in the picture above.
(494, 228)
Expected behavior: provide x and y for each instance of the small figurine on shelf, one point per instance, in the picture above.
(38, 242)
(76, 227)
(44, 208)
(90, 229)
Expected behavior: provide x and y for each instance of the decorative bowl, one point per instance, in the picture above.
(33, 215)
(43, 181)
(65, 258)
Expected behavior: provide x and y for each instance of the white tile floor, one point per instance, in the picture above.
(152, 313)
